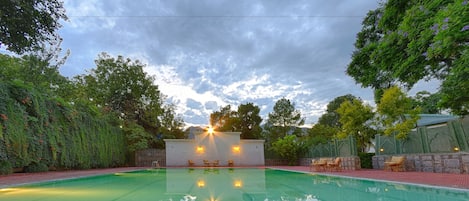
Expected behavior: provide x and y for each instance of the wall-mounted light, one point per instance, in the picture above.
(381, 150)
(201, 183)
(200, 149)
(456, 149)
(236, 149)
(238, 184)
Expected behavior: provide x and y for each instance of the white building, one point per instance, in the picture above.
(221, 146)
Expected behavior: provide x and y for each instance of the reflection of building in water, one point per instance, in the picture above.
(216, 183)
(214, 149)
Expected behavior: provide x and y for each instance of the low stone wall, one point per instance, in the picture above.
(348, 163)
(457, 163)
(144, 158)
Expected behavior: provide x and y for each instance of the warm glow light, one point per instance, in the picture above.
(238, 184)
(236, 149)
(200, 149)
(201, 183)
(210, 130)
(8, 189)
(456, 148)
(381, 150)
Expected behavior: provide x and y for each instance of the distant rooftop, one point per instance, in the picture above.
(432, 119)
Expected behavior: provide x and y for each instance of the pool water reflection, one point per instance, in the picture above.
(212, 184)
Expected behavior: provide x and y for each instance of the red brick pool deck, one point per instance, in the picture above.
(424, 178)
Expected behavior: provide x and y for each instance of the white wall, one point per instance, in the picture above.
(217, 146)
(252, 153)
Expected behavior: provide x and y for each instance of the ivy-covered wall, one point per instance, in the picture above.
(38, 129)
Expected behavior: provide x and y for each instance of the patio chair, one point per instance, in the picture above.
(206, 163)
(191, 163)
(395, 164)
(318, 165)
(230, 163)
(155, 164)
(334, 165)
(215, 163)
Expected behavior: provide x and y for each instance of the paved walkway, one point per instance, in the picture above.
(424, 178)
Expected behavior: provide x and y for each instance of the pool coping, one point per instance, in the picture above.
(19, 179)
(430, 179)
(23, 179)
(374, 180)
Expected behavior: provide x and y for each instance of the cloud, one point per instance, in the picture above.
(208, 54)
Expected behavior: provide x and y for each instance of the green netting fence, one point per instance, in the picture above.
(335, 148)
(452, 136)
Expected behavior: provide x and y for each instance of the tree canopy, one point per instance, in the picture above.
(331, 117)
(397, 114)
(120, 85)
(356, 119)
(224, 120)
(284, 118)
(29, 25)
(403, 42)
(427, 101)
(245, 120)
(249, 121)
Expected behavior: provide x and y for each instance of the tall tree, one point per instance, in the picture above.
(402, 42)
(397, 114)
(284, 119)
(171, 123)
(363, 68)
(321, 133)
(331, 117)
(427, 101)
(356, 119)
(455, 89)
(249, 121)
(32, 70)
(29, 25)
(121, 86)
(225, 119)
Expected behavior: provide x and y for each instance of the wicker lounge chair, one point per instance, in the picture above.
(334, 165)
(230, 163)
(191, 163)
(395, 164)
(318, 165)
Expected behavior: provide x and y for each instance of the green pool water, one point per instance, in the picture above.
(225, 184)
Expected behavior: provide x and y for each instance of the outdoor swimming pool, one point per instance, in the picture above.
(225, 184)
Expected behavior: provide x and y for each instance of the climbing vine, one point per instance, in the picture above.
(38, 130)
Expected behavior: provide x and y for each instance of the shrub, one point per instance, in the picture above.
(366, 160)
(5, 168)
(36, 167)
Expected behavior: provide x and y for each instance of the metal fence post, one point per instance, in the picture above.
(423, 137)
(456, 128)
(378, 144)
